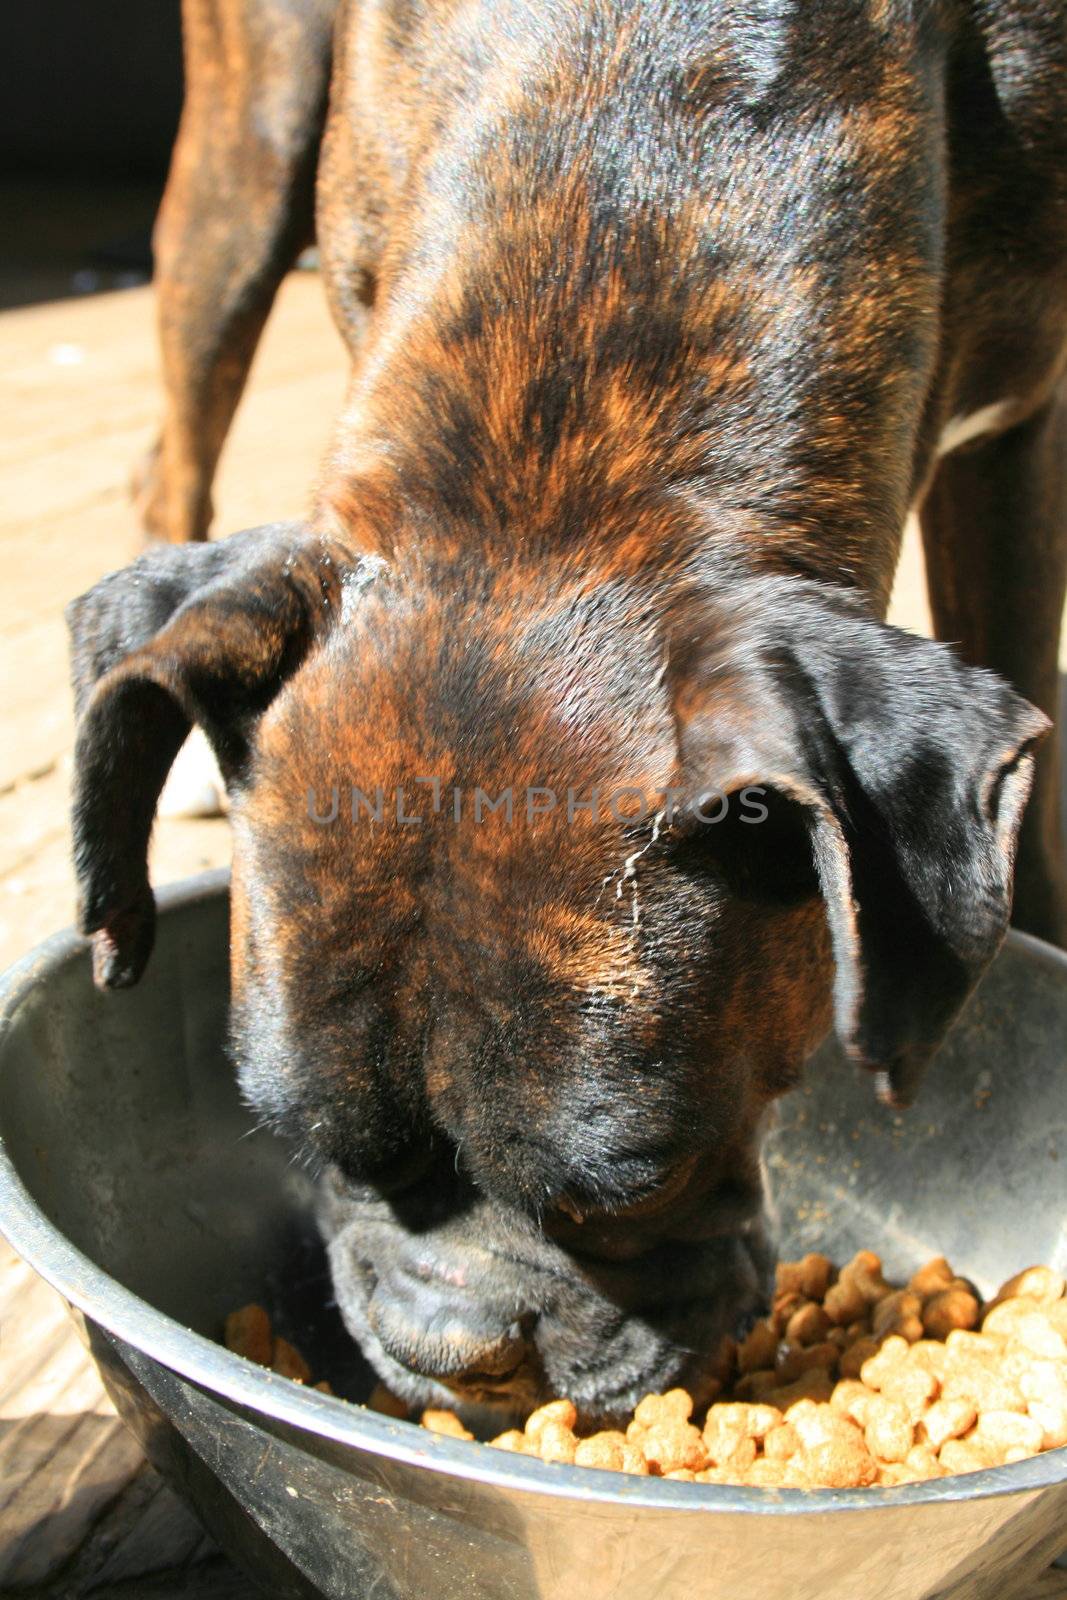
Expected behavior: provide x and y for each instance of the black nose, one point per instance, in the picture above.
(453, 1341)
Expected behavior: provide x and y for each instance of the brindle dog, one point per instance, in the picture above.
(662, 313)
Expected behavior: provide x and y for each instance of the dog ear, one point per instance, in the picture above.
(913, 770)
(203, 633)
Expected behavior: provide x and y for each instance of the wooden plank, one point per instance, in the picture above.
(1052, 1586)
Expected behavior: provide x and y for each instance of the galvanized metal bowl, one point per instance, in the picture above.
(130, 1179)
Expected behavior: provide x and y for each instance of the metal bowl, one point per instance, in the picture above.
(130, 1179)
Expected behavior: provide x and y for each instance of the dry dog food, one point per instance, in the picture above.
(850, 1382)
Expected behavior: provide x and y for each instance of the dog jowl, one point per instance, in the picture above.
(664, 327)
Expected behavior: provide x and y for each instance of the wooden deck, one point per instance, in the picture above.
(80, 1511)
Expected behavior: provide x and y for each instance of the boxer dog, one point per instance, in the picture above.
(662, 313)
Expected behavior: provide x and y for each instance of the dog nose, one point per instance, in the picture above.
(437, 1338)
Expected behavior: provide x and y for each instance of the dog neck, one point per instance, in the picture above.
(608, 297)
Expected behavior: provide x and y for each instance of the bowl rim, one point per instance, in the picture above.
(231, 1378)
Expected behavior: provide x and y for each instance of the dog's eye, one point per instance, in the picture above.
(640, 1201)
(661, 1193)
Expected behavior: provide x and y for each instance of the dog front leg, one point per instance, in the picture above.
(238, 208)
(995, 533)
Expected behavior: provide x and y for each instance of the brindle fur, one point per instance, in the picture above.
(656, 314)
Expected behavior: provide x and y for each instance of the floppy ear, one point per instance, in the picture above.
(914, 771)
(204, 633)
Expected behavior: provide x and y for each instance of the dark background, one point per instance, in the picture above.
(90, 103)
(93, 87)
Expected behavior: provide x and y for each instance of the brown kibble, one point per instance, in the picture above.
(927, 1384)
(1044, 1387)
(562, 1412)
(844, 1301)
(1037, 1335)
(818, 1424)
(1003, 1316)
(857, 1355)
(1053, 1423)
(1044, 1380)
(922, 1463)
(655, 1409)
(1057, 1315)
(931, 1278)
(951, 1308)
(725, 1431)
(742, 1458)
(757, 1350)
(446, 1422)
(852, 1399)
(670, 1445)
(984, 1388)
(793, 1361)
(556, 1442)
(877, 1368)
(973, 1345)
(957, 1455)
(1007, 1430)
(383, 1400)
(1039, 1283)
(809, 1324)
(751, 1421)
(990, 1453)
(839, 1465)
(894, 1312)
(785, 1306)
(514, 1440)
(929, 1355)
(814, 1385)
(605, 1450)
(787, 1277)
(889, 1430)
(781, 1443)
(1016, 1362)
(248, 1333)
(947, 1419)
(809, 1277)
(865, 1271)
(287, 1362)
(762, 1420)
(755, 1385)
(323, 1387)
(914, 1387)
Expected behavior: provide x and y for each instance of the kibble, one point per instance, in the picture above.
(851, 1382)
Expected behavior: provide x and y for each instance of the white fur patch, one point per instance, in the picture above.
(987, 419)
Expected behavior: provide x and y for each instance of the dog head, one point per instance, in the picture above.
(544, 890)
